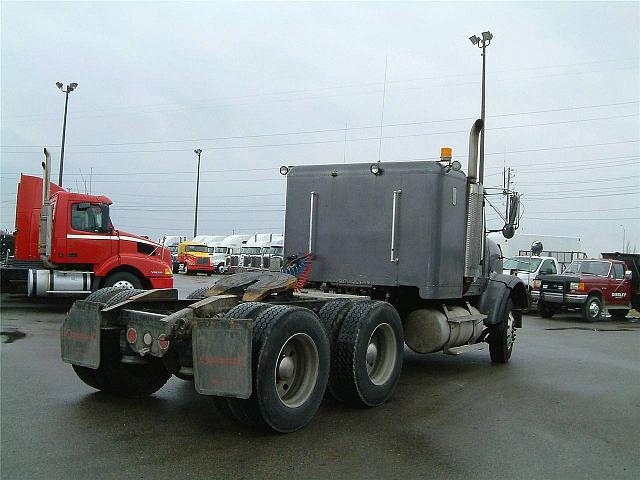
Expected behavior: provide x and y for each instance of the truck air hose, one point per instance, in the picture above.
(300, 267)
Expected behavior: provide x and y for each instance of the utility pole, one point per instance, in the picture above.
(198, 152)
(70, 88)
(624, 234)
(482, 43)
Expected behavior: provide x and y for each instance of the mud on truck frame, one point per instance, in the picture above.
(407, 240)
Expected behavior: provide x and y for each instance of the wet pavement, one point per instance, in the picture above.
(566, 406)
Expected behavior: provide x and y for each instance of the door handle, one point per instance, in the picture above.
(73, 255)
(396, 194)
(313, 205)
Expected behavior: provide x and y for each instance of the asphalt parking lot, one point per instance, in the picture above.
(566, 406)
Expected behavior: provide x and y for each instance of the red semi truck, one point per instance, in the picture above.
(66, 244)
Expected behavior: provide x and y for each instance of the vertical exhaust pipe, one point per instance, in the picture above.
(44, 230)
(474, 135)
(474, 242)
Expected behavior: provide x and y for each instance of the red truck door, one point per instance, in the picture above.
(619, 291)
(89, 238)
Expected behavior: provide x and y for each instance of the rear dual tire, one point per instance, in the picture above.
(619, 314)
(290, 367)
(113, 376)
(367, 356)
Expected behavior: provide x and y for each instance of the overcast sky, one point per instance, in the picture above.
(259, 85)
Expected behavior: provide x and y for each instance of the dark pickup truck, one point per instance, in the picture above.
(591, 286)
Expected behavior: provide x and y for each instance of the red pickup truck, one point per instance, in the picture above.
(591, 286)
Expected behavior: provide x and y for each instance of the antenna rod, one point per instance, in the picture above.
(344, 152)
(384, 94)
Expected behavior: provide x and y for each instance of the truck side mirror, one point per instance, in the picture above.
(513, 219)
(628, 275)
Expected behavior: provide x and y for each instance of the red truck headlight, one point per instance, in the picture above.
(576, 286)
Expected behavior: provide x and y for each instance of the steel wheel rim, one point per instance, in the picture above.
(511, 331)
(594, 309)
(380, 356)
(126, 284)
(296, 370)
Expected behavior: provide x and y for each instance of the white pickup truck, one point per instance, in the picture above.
(528, 268)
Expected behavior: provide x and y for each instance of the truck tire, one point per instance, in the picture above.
(175, 268)
(619, 314)
(128, 380)
(92, 377)
(331, 316)
(592, 309)
(368, 354)
(290, 363)
(189, 272)
(502, 336)
(123, 280)
(199, 293)
(89, 376)
(230, 406)
(121, 296)
(103, 294)
(544, 310)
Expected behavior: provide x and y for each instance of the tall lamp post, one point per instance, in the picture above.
(624, 234)
(198, 152)
(482, 43)
(70, 88)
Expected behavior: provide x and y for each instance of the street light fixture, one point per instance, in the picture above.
(482, 43)
(197, 151)
(70, 88)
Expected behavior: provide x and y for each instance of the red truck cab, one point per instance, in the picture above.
(80, 249)
(591, 286)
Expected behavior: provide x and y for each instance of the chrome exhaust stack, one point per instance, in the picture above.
(475, 200)
(44, 230)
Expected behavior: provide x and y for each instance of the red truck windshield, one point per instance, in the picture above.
(592, 267)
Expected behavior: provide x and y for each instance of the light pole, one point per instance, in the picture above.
(482, 43)
(70, 88)
(198, 152)
(624, 234)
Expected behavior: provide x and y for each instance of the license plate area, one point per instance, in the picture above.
(222, 357)
(80, 335)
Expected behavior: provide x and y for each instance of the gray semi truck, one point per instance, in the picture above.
(401, 255)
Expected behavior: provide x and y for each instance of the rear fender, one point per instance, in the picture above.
(499, 289)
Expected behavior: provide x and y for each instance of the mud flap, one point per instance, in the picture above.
(80, 335)
(222, 357)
